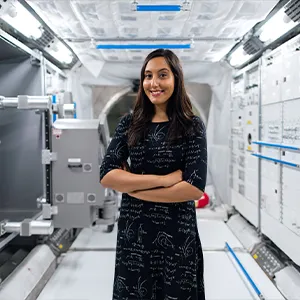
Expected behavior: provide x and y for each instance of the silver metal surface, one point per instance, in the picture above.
(35, 227)
(26, 102)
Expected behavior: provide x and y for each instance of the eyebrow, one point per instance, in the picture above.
(164, 69)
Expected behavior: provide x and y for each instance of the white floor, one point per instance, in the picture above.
(86, 272)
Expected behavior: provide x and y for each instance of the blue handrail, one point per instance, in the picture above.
(258, 292)
(276, 145)
(276, 160)
(143, 46)
(53, 102)
(158, 7)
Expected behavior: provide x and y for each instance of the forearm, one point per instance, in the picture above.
(180, 192)
(126, 182)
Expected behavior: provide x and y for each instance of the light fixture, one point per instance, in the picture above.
(276, 26)
(143, 46)
(60, 52)
(22, 20)
(238, 56)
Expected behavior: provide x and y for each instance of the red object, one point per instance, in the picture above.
(203, 201)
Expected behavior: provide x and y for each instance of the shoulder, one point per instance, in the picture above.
(125, 120)
(198, 121)
(124, 124)
(198, 126)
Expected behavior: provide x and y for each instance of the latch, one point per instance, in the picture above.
(48, 156)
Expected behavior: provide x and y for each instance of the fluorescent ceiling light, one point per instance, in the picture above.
(23, 21)
(145, 46)
(238, 57)
(275, 27)
(158, 7)
(60, 52)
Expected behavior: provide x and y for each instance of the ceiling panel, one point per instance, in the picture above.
(214, 25)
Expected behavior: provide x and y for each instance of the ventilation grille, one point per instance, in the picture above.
(252, 46)
(293, 10)
(45, 39)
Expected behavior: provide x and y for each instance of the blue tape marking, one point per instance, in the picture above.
(244, 271)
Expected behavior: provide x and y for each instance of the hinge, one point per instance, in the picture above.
(34, 61)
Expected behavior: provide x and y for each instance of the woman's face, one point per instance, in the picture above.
(159, 81)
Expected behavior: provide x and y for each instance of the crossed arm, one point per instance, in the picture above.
(179, 192)
(154, 188)
(174, 187)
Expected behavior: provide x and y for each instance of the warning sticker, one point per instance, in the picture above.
(56, 132)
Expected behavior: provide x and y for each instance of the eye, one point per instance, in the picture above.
(148, 76)
(163, 75)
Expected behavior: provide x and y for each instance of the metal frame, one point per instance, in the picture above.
(259, 230)
(32, 226)
(34, 53)
(20, 45)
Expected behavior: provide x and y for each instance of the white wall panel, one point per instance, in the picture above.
(278, 183)
(291, 70)
(281, 125)
(271, 82)
(271, 123)
(244, 130)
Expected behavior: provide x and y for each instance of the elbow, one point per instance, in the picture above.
(198, 194)
(111, 184)
(104, 182)
(191, 192)
(107, 180)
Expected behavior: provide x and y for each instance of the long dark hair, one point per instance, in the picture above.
(179, 107)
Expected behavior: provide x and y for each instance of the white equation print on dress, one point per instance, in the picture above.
(186, 249)
(164, 240)
(157, 134)
(140, 291)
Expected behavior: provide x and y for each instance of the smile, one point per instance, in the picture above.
(156, 93)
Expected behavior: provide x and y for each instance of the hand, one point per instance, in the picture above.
(125, 166)
(172, 178)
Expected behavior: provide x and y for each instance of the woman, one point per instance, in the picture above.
(159, 254)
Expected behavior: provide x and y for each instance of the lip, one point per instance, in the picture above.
(157, 93)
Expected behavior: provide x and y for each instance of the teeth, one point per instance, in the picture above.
(156, 92)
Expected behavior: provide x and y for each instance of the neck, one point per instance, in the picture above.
(160, 114)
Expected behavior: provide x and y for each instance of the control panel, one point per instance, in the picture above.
(267, 260)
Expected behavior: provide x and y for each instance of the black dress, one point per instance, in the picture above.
(159, 254)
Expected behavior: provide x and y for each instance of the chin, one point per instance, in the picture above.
(158, 100)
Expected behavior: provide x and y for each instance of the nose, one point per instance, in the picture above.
(154, 81)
